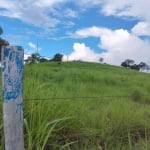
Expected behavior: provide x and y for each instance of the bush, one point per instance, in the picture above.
(137, 96)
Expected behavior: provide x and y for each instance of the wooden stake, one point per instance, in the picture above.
(12, 72)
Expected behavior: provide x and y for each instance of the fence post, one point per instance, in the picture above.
(12, 72)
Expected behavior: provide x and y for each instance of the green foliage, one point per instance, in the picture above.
(43, 60)
(34, 58)
(138, 96)
(1, 30)
(57, 58)
(3, 42)
(129, 63)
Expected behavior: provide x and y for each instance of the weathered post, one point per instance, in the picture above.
(12, 74)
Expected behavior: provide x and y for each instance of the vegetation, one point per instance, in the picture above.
(57, 58)
(34, 58)
(85, 106)
(3, 42)
(1, 30)
(129, 63)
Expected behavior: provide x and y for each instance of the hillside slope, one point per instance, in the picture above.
(83, 80)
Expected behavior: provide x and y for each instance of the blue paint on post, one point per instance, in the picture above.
(19, 110)
(6, 52)
(12, 68)
(12, 72)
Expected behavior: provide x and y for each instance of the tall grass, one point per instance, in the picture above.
(114, 116)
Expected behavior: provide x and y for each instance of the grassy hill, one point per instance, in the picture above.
(85, 106)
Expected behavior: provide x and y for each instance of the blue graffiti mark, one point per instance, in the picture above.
(19, 48)
(19, 110)
(10, 95)
(12, 73)
(6, 52)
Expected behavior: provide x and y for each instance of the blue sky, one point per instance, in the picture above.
(83, 30)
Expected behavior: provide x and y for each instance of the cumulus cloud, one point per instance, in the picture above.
(83, 53)
(141, 29)
(118, 45)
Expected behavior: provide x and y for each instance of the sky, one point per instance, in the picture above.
(85, 30)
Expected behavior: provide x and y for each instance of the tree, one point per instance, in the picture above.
(135, 67)
(3, 42)
(143, 66)
(101, 59)
(57, 58)
(34, 58)
(127, 63)
(1, 30)
(43, 60)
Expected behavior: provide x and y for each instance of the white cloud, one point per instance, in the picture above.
(121, 45)
(118, 44)
(122, 8)
(8, 8)
(48, 13)
(37, 13)
(48, 3)
(34, 47)
(142, 28)
(133, 8)
(88, 3)
(113, 39)
(70, 13)
(91, 32)
(40, 13)
(83, 53)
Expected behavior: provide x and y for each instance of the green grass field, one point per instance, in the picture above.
(85, 106)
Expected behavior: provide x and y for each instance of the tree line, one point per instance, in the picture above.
(129, 63)
(36, 57)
